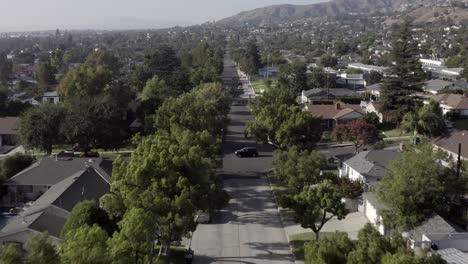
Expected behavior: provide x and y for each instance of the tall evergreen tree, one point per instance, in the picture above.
(404, 77)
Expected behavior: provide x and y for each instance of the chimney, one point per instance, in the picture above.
(338, 106)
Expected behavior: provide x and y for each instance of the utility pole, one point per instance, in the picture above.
(459, 163)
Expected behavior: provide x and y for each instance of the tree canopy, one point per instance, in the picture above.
(418, 173)
(285, 126)
(41, 250)
(404, 77)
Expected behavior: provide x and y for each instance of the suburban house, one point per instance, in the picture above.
(24, 98)
(375, 90)
(437, 85)
(373, 107)
(450, 142)
(353, 81)
(433, 225)
(333, 115)
(370, 207)
(31, 183)
(50, 97)
(367, 68)
(452, 247)
(327, 94)
(452, 102)
(50, 211)
(369, 167)
(8, 131)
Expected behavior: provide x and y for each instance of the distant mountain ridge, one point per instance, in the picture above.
(286, 13)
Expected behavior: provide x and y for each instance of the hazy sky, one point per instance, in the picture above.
(120, 14)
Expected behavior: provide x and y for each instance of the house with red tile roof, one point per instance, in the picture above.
(332, 115)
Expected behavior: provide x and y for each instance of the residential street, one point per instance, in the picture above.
(249, 229)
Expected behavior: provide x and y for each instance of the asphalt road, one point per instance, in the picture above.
(249, 229)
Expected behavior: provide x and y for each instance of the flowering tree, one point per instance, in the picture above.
(359, 132)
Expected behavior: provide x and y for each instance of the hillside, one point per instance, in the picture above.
(432, 14)
(286, 13)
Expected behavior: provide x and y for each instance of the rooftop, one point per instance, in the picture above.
(451, 142)
(434, 224)
(373, 164)
(457, 101)
(8, 125)
(51, 170)
(333, 111)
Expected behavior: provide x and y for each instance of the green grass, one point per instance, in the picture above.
(397, 132)
(461, 124)
(258, 85)
(298, 242)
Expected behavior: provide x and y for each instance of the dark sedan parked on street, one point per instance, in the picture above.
(247, 152)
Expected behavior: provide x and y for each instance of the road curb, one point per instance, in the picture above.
(280, 217)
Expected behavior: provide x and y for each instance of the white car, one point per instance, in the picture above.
(203, 218)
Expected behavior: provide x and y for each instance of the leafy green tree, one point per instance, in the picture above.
(113, 205)
(285, 126)
(318, 78)
(14, 164)
(41, 250)
(374, 77)
(295, 76)
(371, 248)
(154, 94)
(6, 68)
(40, 127)
(135, 239)
(359, 132)
(90, 78)
(405, 258)
(299, 168)
(316, 205)
(86, 213)
(86, 244)
(327, 60)
(428, 121)
(204, 108)
(404, 77)
(45, 74)
(371, 118)
(10, 254)
(170, 176)
(57, 60)
(417, 173)
(275, 96)
(332, 249)
(99, 121)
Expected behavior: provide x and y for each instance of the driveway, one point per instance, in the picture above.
(249, 229)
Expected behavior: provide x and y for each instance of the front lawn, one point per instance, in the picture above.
(397, 132)
(258, 85)
(298, 241)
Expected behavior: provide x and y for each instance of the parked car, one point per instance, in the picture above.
(203, 218)
(247, 152)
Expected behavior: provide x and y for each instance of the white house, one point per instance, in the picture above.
(50, 97)
(370, 208)
(368, 166)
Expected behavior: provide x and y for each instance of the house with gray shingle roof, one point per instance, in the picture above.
(35, 180)
(452, 103)
(50, 211)
(368, 167)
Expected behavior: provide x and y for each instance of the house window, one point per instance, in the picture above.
(50, 100)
